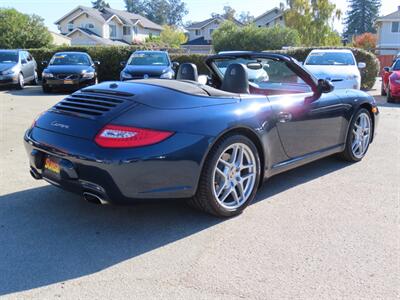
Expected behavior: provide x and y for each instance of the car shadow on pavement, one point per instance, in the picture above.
(49, 236)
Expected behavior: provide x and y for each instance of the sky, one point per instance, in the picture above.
(52, 10)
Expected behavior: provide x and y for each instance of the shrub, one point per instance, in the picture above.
(368, 75)
(229, 36)
(365, 41)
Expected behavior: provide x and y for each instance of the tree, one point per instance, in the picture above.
(172, 36)
(230, 36)
(170, 12)
(245, 17)
(361, 17)
(228, 14)
(100, 4)
(18, 30)
(313, 19)
(366, 41)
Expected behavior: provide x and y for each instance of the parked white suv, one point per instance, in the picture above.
(337, 65)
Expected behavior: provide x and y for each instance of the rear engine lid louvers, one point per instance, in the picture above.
(91, 105)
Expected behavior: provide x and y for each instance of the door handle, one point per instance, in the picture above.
(284, 117)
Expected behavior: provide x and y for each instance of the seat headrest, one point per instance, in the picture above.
(236, 79)
(187, 71)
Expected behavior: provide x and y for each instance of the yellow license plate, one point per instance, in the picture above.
(52, 166)
(68, 82)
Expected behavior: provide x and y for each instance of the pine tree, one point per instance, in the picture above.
(100, 4)
(361, 17)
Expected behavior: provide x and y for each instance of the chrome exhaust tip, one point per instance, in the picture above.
(93, 198)
(35, 175)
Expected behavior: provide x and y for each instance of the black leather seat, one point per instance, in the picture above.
(236, 79)
(187, 71)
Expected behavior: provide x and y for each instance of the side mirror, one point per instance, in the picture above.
(175, 64)
(325, 86)
(361, 65)
(24, 61)
(386, 69)
(123, 63)
(96, 63)
(44, 63)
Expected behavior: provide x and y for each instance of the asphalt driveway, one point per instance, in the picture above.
(326, 230)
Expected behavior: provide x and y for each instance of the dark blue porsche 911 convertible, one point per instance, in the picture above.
(258, 115)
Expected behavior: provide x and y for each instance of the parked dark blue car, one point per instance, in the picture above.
(213, 144)
(148, 64)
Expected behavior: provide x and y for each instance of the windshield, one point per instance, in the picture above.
(272, 76)
(70, 59)
(149, 59)
(8, 57)
(330, 59)
(396, 66)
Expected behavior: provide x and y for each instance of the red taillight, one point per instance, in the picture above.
(114, 136)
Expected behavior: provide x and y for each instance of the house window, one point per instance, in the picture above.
(113, 31)
(395, 26)
(197, 32)
(126, 30)
(89, 26)
(135, 30)
(70, 27)
(211, 31)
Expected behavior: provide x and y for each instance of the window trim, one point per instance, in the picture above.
(70, 27)
(110, 31)
(126, 27)
(392, 27)
(197, 32)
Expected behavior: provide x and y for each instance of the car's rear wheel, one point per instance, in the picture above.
(230, 177)
(389, 97)
(35, 80)
(358, 137)
(21, 81)
(383, 92)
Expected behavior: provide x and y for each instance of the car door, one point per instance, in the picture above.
(25, 66)
(304, 124)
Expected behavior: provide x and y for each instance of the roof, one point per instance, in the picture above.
(202, 24)
(59, 34)
(279, 13)
(98, 38)
(106, 14)
(198, 41)
(395, 16)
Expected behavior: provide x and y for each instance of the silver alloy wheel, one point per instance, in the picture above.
(234, 176)
(361, 135)
(21, 80)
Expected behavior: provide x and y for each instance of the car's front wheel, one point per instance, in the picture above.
(389, 97)
(230, 177)
(21, 81)
(359, 136)
(35, 80)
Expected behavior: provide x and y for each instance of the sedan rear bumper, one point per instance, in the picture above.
(170, 169)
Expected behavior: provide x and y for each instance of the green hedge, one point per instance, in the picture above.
(368, 75)
(110, 58)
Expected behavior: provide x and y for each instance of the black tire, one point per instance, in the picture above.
(389, 97)
(383, 92)
(205, 199)
(46, 89)
(348, 154)
(21, 84)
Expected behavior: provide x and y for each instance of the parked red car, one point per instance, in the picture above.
(391, 82)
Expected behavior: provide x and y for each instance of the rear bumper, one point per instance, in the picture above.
(170, 169)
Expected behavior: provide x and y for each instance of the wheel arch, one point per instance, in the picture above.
(247, 132)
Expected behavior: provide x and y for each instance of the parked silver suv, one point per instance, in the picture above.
(17, 67)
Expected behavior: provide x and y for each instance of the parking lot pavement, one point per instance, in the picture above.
(326, 230)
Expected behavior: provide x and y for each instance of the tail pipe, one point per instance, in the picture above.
(93, 198)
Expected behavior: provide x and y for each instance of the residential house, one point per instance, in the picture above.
(60, 39)
(270, 18)
(107, 26)
(388, 30)
(200, 34)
